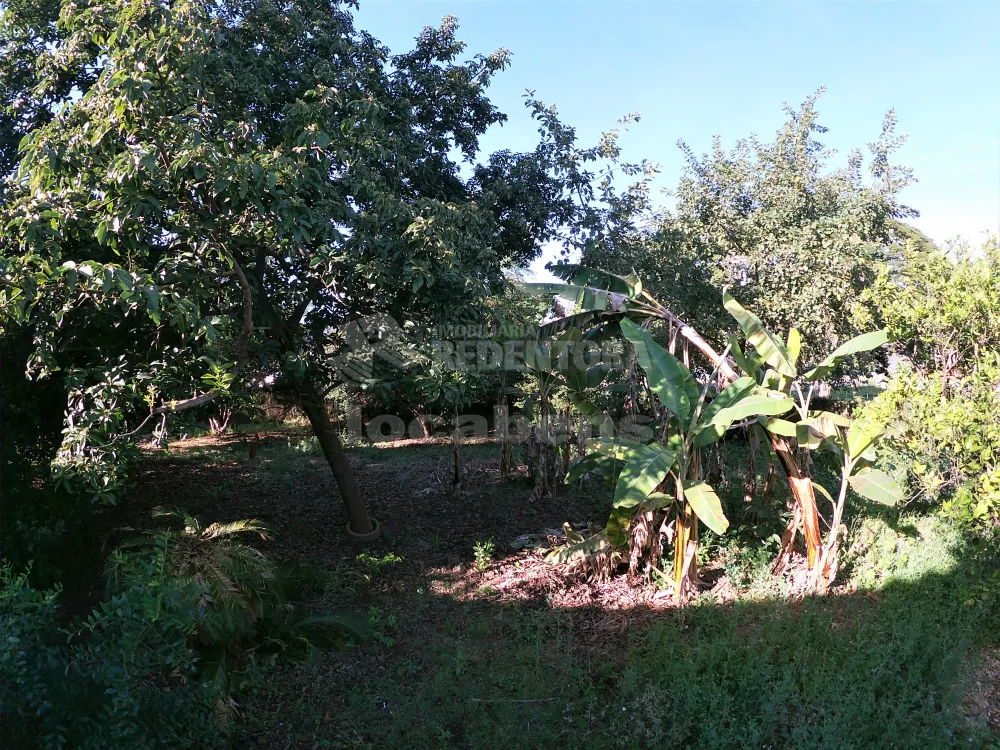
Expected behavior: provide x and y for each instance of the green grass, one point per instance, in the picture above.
(882, 663)
(877, 668)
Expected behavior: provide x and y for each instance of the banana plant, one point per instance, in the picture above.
(603, 300)
(773, 364)
(554, 369)
(659, 494)
(855, 447)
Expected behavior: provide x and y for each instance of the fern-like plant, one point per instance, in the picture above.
(244, 604)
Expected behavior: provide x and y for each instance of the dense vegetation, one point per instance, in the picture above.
(733, 482)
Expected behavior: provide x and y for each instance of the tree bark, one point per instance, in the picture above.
(315, 410)
(1, 450)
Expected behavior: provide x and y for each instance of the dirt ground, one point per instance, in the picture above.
(407, 486)
(419, 586)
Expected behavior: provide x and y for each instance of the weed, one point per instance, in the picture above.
(484, 554)
(382, 626)
(374, 566)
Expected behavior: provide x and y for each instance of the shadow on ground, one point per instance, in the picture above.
(513, 656)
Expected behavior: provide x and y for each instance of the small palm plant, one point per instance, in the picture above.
(242, 603)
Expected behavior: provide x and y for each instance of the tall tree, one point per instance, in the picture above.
(254, 169)
(798, 240)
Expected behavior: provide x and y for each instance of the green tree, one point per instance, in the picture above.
(942, 307)
(256, 170)
(769, 218)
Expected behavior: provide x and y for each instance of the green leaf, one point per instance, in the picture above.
(764, 442)
(586, 297)
(706, 505)
(817, 487)
(861, 436)
(643, 471)
(780, 427)
(667, 377)
(863, 343)
(876, 485)
(152, 303)
(629, 286)
(597, 374)
(587, 465)
(734, 392)
(748, 405)
(794, 345)
(838, 419)
(806, 435)
(618, 524)
(707, 432)
(766, 343)
(615, 447)
(749, 366)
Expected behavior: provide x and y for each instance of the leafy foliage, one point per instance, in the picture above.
(154, 663)
(125, 676)
(261, 172)
(944, 439)
(798, 240)
(659, 493)
(942, 308)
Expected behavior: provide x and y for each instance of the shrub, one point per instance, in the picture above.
(943, 439)
(122, 677)
(153, 664)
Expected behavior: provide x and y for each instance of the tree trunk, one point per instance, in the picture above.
(456, 478)
(314, 407)
(1, 450)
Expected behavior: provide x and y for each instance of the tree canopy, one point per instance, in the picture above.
(239, 181)
(770, 219)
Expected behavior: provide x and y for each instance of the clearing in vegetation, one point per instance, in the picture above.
(476, 641)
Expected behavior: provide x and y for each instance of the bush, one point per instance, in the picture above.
(122, 677)
(153, 664)
(943, 439)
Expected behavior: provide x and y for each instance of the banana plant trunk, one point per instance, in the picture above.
(798, 477)
(686, 537)
(750, 482)
(685, 549)
(805, 506)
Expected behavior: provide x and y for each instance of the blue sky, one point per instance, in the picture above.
(693, 69)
